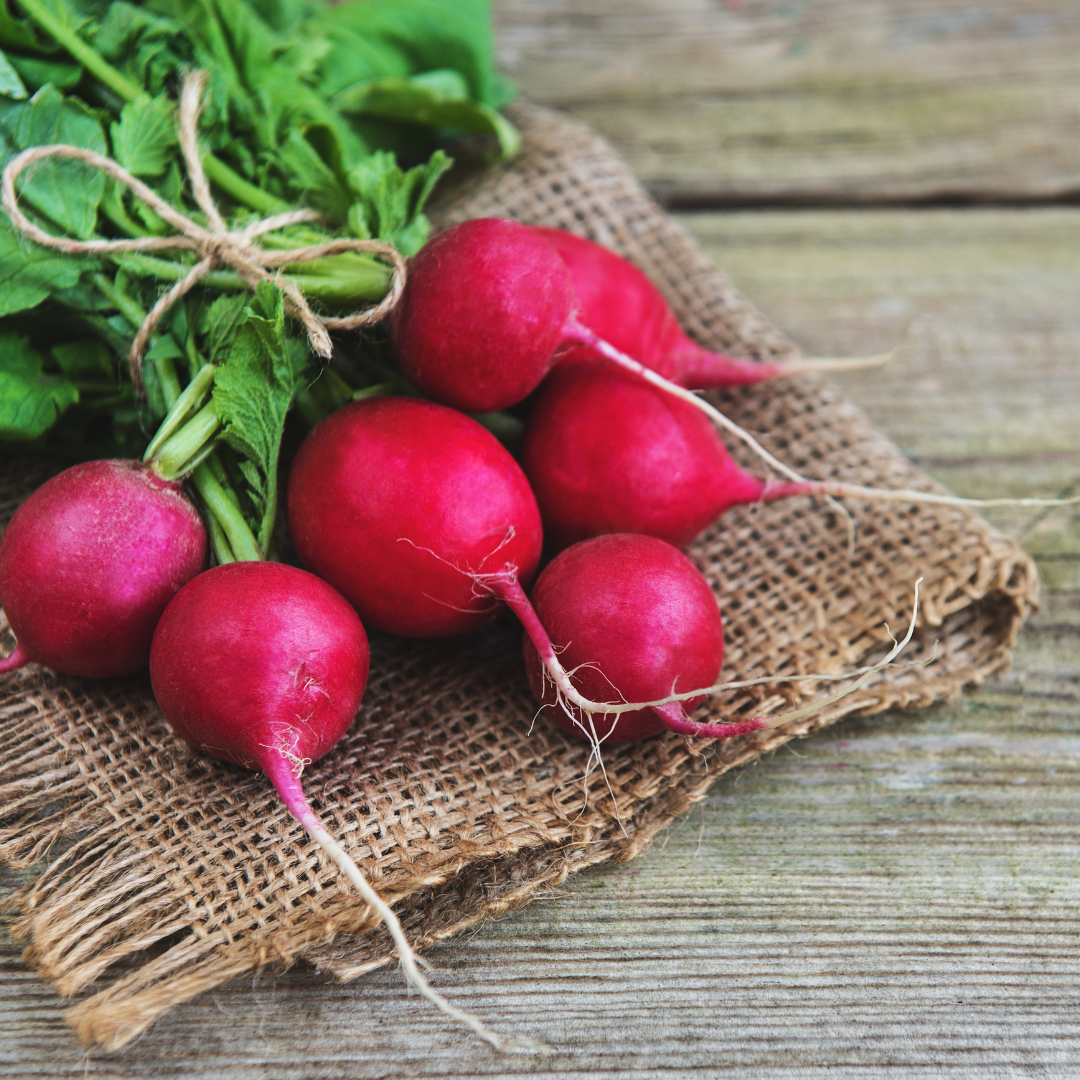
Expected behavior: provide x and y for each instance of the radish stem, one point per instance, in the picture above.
(173, 458)
(243, 544)
(188, 399)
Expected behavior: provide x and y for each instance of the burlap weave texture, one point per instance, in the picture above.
(453, 802)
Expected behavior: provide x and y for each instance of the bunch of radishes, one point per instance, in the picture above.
(413, 516)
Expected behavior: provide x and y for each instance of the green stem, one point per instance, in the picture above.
(131, 309)
(175, 455)
(113, 208)
(187, 400)
(168, 270)
(243, 544)
(218, 541)
(384, 389)
(239, 190)
(80, 51)
(195, 360)
(364, 279)
(170, 381)
(221, 474)
(361, 283)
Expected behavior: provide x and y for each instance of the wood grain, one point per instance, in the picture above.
(984, 389)
(757, 102)
(896, 897)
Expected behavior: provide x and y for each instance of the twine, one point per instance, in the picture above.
(216, 245)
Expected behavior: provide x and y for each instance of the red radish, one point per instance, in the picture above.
(607, 451)
(483, 312)
(620, 304)
(89, 562)
(633, 620)
(411, 509)
(424, 522)
(486, 307)
(264, 665)
(489, 303)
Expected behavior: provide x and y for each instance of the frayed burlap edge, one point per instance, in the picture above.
(168, 874)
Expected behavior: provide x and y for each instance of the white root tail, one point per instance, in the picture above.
(511, 592)
(409, 963)
(833, 363)
(830, 489)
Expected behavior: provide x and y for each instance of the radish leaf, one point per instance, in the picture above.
(145, 139)
(252, 393)
(30, 399)
(10, 84)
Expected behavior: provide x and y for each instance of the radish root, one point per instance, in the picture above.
(831, 363)
(832, 489)
(288, 786)
(509, 590)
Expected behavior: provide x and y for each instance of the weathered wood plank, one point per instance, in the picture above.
(895, 898)
(984, 390)
(758, 102)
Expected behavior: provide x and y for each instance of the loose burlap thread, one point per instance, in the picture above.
(180, 873)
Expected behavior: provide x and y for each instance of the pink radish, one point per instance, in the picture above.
(486, 308)
(89, 562)
(411, 509)
(264, 665)
(607, 451)
(633, 620)
(620, 304)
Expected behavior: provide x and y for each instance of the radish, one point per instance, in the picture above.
(485, 307)
(636, 620)
(411, 510)
(425, 524)
(607, 452)
(490, 303)
(620, 304)
(632, 619)
(89, 562)
(264, 665)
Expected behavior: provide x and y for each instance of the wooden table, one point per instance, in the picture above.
(897, 896)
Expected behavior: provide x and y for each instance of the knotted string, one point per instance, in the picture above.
(215, 245)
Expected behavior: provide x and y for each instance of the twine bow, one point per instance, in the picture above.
(216, 245)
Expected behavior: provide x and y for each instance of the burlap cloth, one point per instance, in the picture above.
(180, 872)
